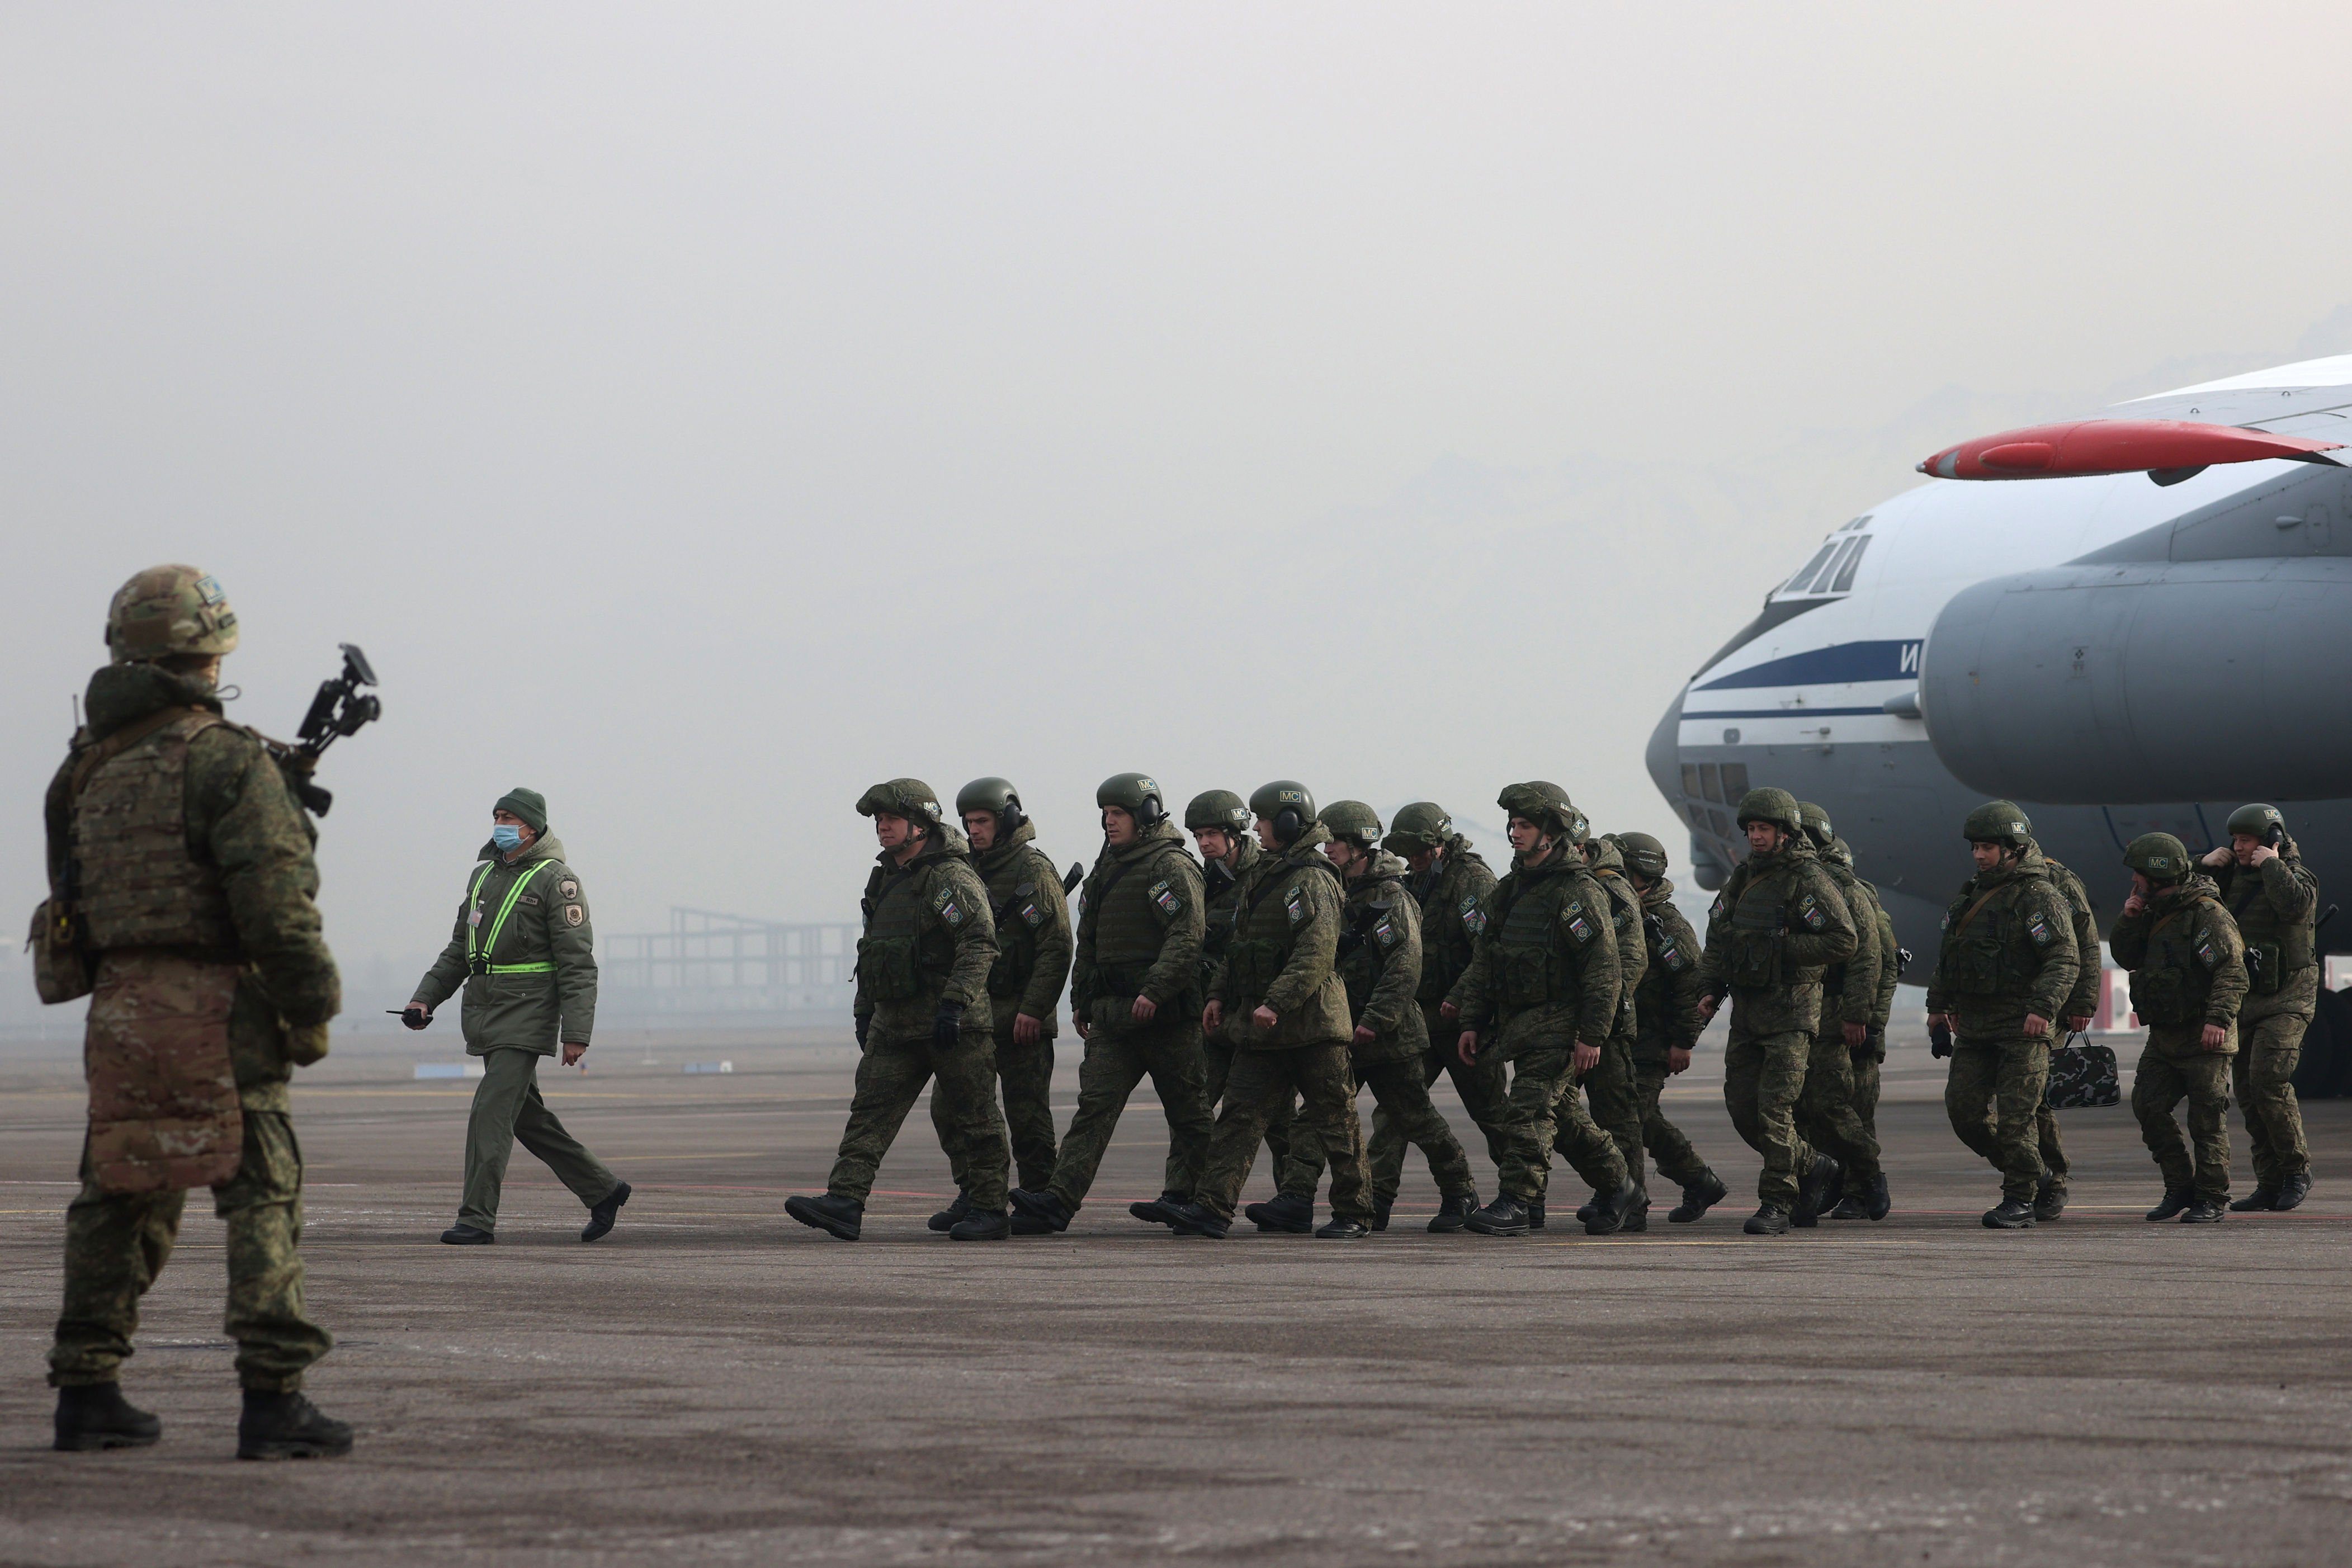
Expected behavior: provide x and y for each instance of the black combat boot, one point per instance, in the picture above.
(1283, 1214)
(1453, 1213)
(991, 1225)
(1037, 1214)
(1586, 1210)
(1810, 1188)
(601, 1215)
(946, 1218)
(1880, 1202)
(1849, 1207)
(467, 1235)
(1637, 1213)
(1380, 1207)
(1506, 1216)
(2261, 1200)
(2204, 1211)
(839, 1217)
(1832, 1192)
(1609, 1209)
(1535, 1213)
(2010, 1213)
(96, 1415)
(289, 1426)
(1698, 1197)
(1198, 1220)
(2049, 1199)
(2175, 1200)
(2291, 1192)
(1160, 1210)
(1768, 1220)
(1343, 1228)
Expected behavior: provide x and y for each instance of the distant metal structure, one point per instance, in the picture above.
(711, 963)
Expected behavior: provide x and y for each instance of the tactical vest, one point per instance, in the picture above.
(1013, 885)
(139, 884)
(900, 955)
(1668, 957)
(1849, 887)
(1759, 927)
(1267, 928)
(1984, 936)
(2174, 981)
(1450, 918)
(1534, 964)
(1626, 914)
(1132, 901)
(1222, 893)
(1367, 941)
(2276, 949)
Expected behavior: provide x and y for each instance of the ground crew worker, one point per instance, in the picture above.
(923, 959)
(1380, 963)
(1867, 1059)
(1278, 999)
(1541, 992)
(1450, 883)
(1025, 986)
(1135, 999)
(1615, 1101)
(1666, 1025)
(2273, 897)
(183, 890)
(1776, 926)
(2188, 982)
(1825, 1111)
(526, 953)
(2082, 1007)
(2006, 970)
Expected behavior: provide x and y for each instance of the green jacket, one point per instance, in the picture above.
(246, 829)
(1380, 962)
(1545, 972)
(2083, 1001)
(1222, 892)
(1850, 986)
(1034, 940)
(1666, 1005)
(2186, 961)
(2275, 905)
(2008, 950)
(1283, 949)
(929, 938)
(1771, 933)
(1453, 895)
(1608, 867)
(1141, 919)
(525, 952)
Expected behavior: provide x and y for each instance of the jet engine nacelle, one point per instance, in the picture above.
(2126, 683)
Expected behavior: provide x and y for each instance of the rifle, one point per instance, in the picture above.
(339, 709)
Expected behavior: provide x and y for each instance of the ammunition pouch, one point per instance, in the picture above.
(1525, 975)
(2168, 994)
(1251, 967)
(61, 966)
(889, 968)
(2265, 968)
(1756, 957)
(1971, 964)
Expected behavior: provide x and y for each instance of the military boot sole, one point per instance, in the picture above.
(1756, 1225)
(987, 1228)
(1493, 1228)
(86, 1442)
(2256, 1202)
(1996, 1220)
(808, 1214)
(294, 1448)
(2291, 1197)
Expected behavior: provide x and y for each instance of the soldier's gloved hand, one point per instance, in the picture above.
(416, 1016)
(1940, 1036)
(946, 1025)
(862, 1026)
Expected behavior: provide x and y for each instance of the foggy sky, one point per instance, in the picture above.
(700, 414)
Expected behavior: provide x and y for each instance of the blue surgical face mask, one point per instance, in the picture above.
(507, 836)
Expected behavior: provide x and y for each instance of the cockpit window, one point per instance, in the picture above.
(1845, 581)
(1831, 568)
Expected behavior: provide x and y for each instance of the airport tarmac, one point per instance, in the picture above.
(716, 1383)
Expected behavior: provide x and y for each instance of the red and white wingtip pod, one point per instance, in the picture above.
(2167, 450)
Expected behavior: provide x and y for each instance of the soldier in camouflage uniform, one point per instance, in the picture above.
(2082, 1007)
(2273, 896)
(1033, 960)
(1449, 884)
(1826, 1113)
(921, 1013)
(2188, 982)
(1616, 1101)
(1867, 1059)
(1776, 926)
(1278, 999)
(183, 895)
(1135, 1000)
(1380, 963)
(1541, 993)
(2007, 967)
(525, 952)
(1666, 1025)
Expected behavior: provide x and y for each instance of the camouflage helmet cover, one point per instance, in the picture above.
(1777, 806)
(1643, 854)
(1353, 821)
(1547, 805)
(1817, 824)
(1217, 811)
(911, 798)
(1271, 800)
(2256, 821)
(1998, 821)
(1422, 825)
(2159, 856)
(168, 610)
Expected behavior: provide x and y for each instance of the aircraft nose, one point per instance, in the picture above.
(1664, 755)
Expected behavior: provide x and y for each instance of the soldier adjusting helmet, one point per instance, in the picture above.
(1287, 804)
(911, 798)
(997, 797)
(1217, 811)
(1777, 806)
(2001, 822)
(2159, 856)
(2258, 822)
(1548, 806)
(169, 610)
(1817, 824)
(1644, 855)
(1137, 795)
(1353, 821)
(1422, 825)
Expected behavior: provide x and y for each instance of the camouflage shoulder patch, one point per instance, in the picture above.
(1809, 911)
(2037, 929)
(947, 906)
(1384, 932)
(1166, 899)
(1474, 918)
(1294, 904)
(1671, 954)
(1578, 926)
(2209, 952)
(1716, 910)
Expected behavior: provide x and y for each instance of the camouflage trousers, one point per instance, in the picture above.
(2167, 1074)
(1763, 1079)
(890, 1077)
(1615, 1103)
(507, 1110)
(116, 1244)
(1866, 1063)
(1025, 1075)
(1401, 1097)
(2050, 1145)
(1486, 1094)
(1217, 1057)
(1544, 1108)
(1825, 1111)
(1994, 1099)
(2262, 1074)
(1678, 1161)
(1260, 1084)
(1168, 1050)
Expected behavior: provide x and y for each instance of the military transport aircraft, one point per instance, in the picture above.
(2154, 632)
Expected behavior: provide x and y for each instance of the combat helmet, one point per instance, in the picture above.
(2159, 856)
(1137, 795)
(2257, 821)
(2000, 822)
(1422, 825)
(911, 798)
(1777, 806)
(1289, 805)
(1353, 821)
(168, 610)
(995, 796)
(1644, 855)
(1548, 806)
(1817, 824)
(1217, 811)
